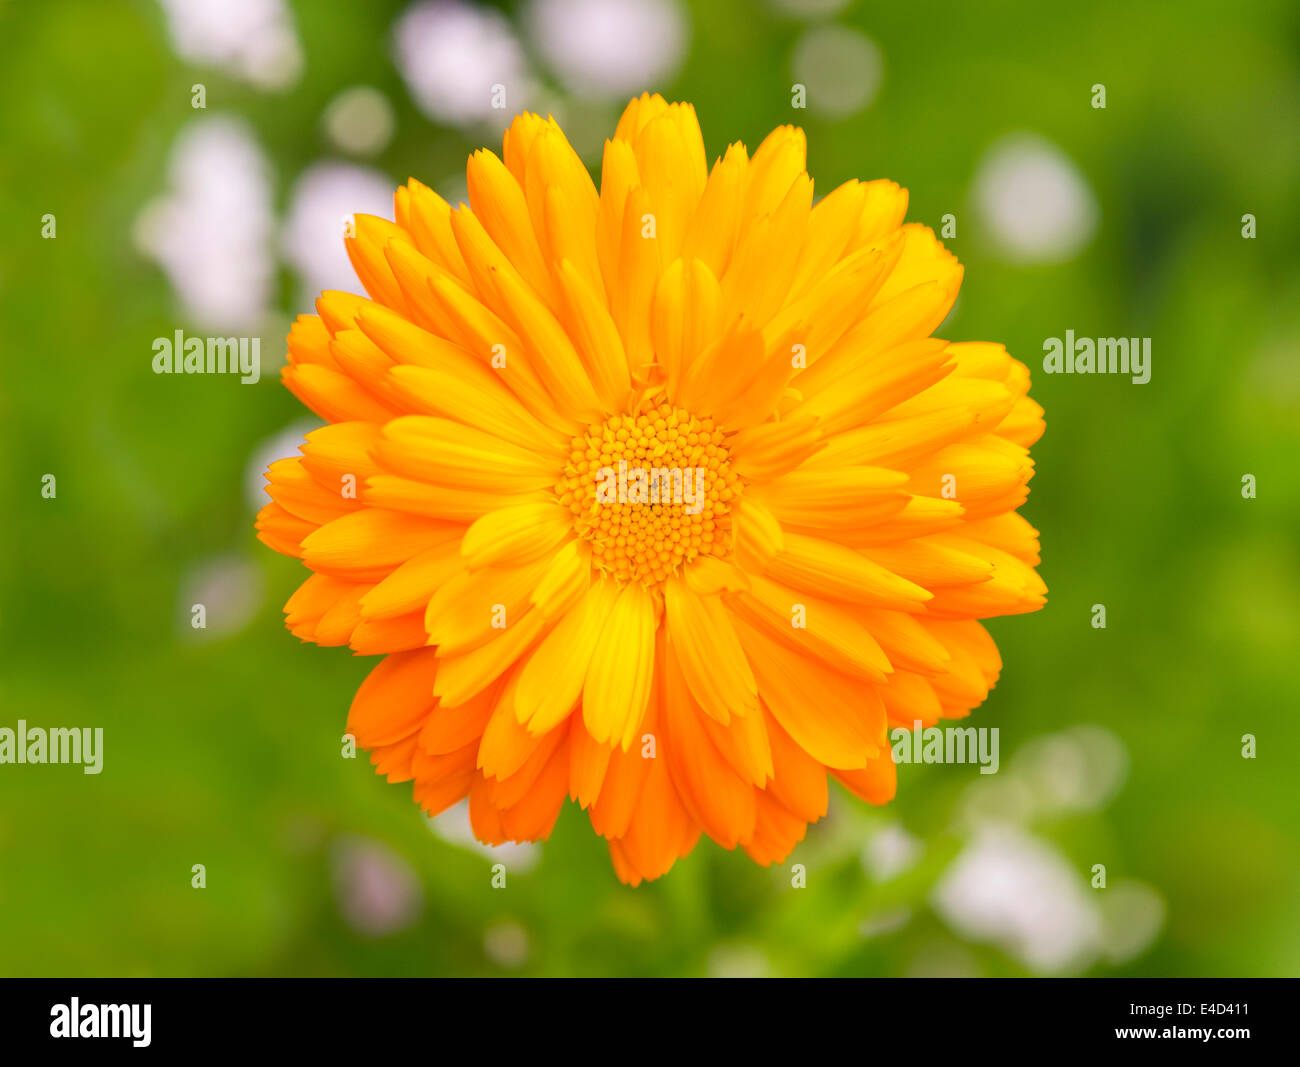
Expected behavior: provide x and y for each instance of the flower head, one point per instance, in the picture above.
(660, 497)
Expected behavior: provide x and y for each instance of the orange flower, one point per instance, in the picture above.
(659, 496)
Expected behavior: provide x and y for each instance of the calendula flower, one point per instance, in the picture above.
(659, 496)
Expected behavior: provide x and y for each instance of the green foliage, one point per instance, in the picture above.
(226, 753)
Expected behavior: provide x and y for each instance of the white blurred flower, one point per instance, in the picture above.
(322, 200)
(1273, 373)
(378, 891)
(1021, 894)
(452, 54)
(886, 922)
(840, 67)
(1078, 769)
(997, 799)
(1033, 201)
(453, 826)
(359, 121)
(253, 40)
(229, 588)
(1132, 914)
(1074, 770)
(738, 961)
(890, 851)
(211, 232)
(507, 945)
(283, 445)
(609, 47)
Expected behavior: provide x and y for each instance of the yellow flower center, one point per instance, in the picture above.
(650, 491)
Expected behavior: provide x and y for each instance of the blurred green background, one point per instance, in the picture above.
(1119, 746)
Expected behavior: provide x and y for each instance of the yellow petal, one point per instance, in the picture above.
(410, 587)
(834, 718)
(597, 338)
(711, 234)
(473, 607)
(551, 679)
(617, 686)
(443, 452)
(762, 452)
(429, 223)
(567, 578)
(710, 788)
(370, 542)
(778, 161)
(686, 317)
(712, 661)
(365, 249)
(515, 535)
(499, 204)
(464, 676)
(833, 500)
(829, 631)
(838, 572)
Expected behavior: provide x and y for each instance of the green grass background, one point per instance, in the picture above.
(226, 752)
